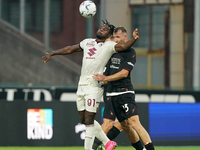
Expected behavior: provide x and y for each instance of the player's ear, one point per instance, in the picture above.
(125, 35)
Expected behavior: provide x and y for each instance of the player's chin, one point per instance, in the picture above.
(100, 36)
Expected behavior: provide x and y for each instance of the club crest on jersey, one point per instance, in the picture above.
(91, 44)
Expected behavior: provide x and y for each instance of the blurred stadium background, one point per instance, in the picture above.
(37, 101)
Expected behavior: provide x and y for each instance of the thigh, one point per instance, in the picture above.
(134, 121)
(92, 99)
(108, 110)
(80, 102)
(107, 125)
(89, 98)
(124, 106)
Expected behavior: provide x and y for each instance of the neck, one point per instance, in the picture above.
(100, 40)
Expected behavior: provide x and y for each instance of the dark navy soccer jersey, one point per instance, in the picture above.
(119, 61)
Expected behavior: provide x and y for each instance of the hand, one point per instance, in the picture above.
(98, 77)
(46, 58)
(136, 34)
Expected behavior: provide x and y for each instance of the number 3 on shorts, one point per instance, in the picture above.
(125, 107)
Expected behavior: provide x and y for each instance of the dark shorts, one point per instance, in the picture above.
(108, 110)
(124, 106)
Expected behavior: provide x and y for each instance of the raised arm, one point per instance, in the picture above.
(63, 51)
(128, 44)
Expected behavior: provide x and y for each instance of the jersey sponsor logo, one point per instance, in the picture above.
(116, 60)
(114, 67)
(90, 57)
(130, 63)
(91, 44)
(91, 51)
(39, 124)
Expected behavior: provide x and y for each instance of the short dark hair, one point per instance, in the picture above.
(112, 27)
(120, 28)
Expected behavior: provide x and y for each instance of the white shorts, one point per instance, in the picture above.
(89, 98)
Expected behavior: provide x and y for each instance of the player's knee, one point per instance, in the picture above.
(137, 127)
(108, 124)
(89, 120)
(135, 123)
(125, 126)
(82, 120)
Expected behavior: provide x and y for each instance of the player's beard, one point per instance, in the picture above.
(101, 37)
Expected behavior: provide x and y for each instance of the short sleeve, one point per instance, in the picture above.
(130, 61)
(81, 45)
(111, 45)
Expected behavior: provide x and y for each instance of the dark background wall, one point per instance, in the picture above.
(21, 62)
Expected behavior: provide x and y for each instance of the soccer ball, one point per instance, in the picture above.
(87, 9)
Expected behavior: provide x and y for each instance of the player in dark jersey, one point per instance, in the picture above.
(115, 64)
(120, 92)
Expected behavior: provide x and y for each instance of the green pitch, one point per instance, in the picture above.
(81, 148)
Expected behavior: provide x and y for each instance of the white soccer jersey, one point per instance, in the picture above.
(95, 57)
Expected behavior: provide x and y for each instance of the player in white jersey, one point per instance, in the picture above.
(96, 55)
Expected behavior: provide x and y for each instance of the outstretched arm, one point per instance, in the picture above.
(117, 76)
(128, 44)
(63, 51)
